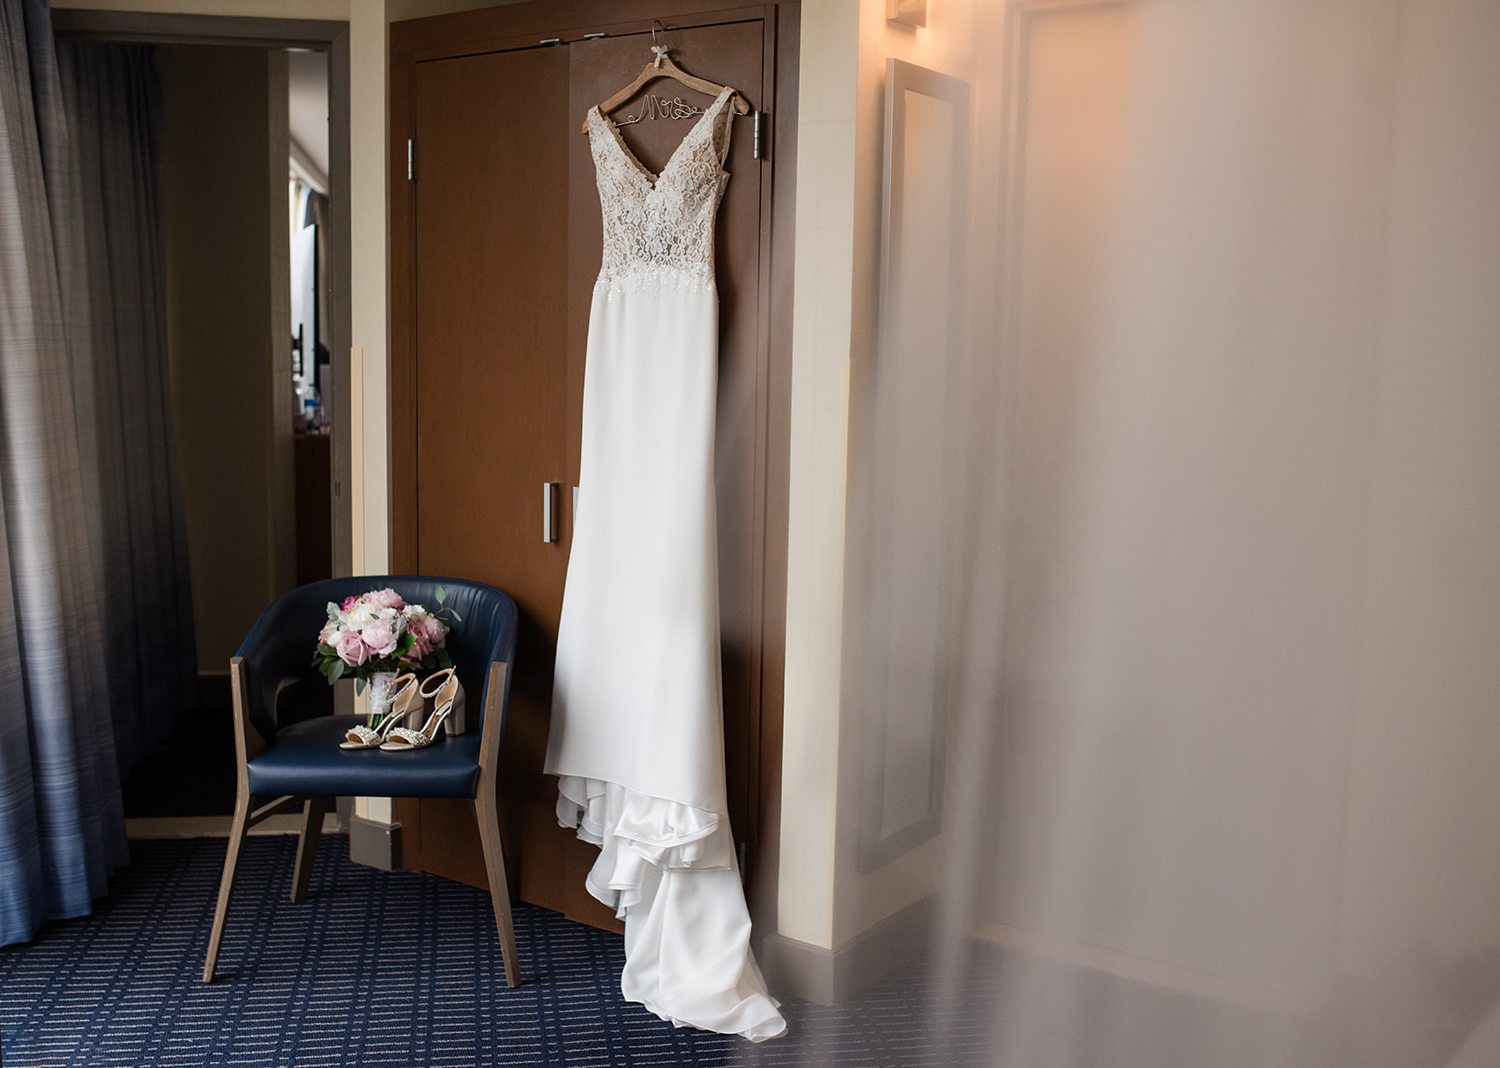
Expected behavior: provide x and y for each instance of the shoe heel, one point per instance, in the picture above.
(454, 723)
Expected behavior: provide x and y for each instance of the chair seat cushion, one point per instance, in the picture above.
(306, 759)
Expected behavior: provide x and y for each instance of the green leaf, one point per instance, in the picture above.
(359, 686)
(440, 594)
(337, 672)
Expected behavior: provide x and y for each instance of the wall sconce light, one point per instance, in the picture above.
(907, 12)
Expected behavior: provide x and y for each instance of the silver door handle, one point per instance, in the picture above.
(549, 512)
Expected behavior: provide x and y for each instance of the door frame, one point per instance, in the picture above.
(131, 27)
(529, 25)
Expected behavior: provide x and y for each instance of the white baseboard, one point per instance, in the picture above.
(834, 976)
(1143, 969)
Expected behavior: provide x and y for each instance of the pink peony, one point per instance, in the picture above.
(420, 645)
(328, 633)
(351, 649)
(349, 603)
(431, 627)
(380, 637)
(386, 598)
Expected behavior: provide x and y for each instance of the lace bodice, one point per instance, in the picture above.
(659, 230)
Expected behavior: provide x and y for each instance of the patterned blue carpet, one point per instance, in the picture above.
(396, 968)
(376, 968)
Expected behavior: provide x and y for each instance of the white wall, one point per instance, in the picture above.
(826, 177)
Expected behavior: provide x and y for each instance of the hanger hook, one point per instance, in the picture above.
(660, 50)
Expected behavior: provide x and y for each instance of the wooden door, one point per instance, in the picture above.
(487, 396)
(496, 246)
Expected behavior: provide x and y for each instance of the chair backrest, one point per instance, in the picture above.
(278, 651)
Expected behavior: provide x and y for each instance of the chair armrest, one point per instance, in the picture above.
(248, 743)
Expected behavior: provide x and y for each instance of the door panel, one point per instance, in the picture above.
(490, 388)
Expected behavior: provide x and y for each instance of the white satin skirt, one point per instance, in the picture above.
(636, 735)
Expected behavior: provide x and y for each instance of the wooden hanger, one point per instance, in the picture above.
(663, 67)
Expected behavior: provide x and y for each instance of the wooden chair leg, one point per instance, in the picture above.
(307, 846)
(487, 814)
(226, 882)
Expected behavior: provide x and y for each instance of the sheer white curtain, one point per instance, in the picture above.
(1223, 781)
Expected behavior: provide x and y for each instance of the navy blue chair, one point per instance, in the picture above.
(287, 740)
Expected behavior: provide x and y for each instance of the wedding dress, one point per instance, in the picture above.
(637, 725)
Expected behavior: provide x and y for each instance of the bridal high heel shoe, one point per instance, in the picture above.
(405, 701)
(443, 695)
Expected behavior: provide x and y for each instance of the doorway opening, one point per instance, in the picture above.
(254, 177)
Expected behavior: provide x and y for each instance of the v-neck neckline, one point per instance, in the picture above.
(653, 179)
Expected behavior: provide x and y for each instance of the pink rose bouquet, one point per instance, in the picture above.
(378, 631)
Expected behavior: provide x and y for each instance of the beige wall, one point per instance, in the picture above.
(270, 9)
(368, 54)
(399, 10)
(219, 196)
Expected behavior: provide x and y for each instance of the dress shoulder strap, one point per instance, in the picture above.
(723, 125)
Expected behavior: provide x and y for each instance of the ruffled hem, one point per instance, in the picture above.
(635, 832)
(668, 870)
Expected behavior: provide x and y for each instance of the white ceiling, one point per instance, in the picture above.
(307, 91)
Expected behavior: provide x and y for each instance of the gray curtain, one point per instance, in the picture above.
(113, 110)
(86, 583)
